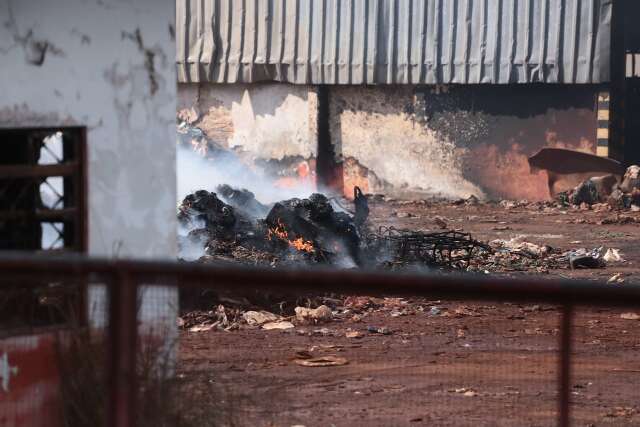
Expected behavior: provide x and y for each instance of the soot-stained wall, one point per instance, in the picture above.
(452, 141)
(269, 126)
(457, 140)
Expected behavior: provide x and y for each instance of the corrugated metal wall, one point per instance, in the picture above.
(393, 41)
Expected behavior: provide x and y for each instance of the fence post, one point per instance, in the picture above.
(564, 372)
(122, 335)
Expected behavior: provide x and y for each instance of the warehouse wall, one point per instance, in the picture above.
(456, 141)
(268, 126)
(452, 141)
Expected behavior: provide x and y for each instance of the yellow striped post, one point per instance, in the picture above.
(602, 137)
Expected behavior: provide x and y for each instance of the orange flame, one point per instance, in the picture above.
(280, 232)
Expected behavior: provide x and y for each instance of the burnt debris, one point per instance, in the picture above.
(232, 225)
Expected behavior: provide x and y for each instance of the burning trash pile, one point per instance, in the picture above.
(607, 190)
(232, 226)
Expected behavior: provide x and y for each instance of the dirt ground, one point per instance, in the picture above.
(441, 363)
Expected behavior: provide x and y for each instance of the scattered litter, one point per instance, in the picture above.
(583, 258)
(616, 278)
(379, 330)
(630, 316)
(257, 318)
(354, 334)
(519, 245)
(435, 311)
(467, 392)
(278, 325)
(613, 255)
(202, 328)
(313, 315)
(322, 361)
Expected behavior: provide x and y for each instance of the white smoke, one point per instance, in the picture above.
(195, 172)
(198, 173)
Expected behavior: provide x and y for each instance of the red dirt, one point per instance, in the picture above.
(489, 365)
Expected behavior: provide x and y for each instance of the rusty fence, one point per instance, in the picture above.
(123, 278)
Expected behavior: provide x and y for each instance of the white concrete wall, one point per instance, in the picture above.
(108, 65)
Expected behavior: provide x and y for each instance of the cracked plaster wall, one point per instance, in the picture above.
(107, 65)
(260, 121)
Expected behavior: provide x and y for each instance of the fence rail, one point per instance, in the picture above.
(124, 277)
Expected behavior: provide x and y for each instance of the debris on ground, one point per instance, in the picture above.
(229, 228)
(379, 330)
(613, 255)
(354, 334)
(584, 258)
(278, 325)
(323, 361)
(313, 315)
(616, 278)
(630, 316)
(258, 318)
(597, 191)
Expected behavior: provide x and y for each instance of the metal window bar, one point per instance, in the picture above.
(71, 206)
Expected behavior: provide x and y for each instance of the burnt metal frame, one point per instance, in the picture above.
(124, 277)
(75, 148)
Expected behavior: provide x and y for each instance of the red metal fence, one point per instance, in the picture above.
(124, 277)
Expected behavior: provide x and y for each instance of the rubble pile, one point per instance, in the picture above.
(231, 225)
(607, 190)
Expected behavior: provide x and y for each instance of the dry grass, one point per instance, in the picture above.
(163, 399)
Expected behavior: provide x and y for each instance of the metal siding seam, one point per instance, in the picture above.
(468, 40)
(590, 43)
(282, 34)
(198, 44)
(389, 78)
(336, 40)
(558, 47)
(527, 50)
(514, 39)
(574, 45)
(544, 36)
(238, 77)
(296, 40)
(365, 40)
(423, 41)
(307, 74)
(350, 10)
(452, 43)
(483, 43)
(437, 45)
(496, 44)
(323, 25)
(255, 31)
(182, 40)
(412, 40)
(374, 55)
(408, 41)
